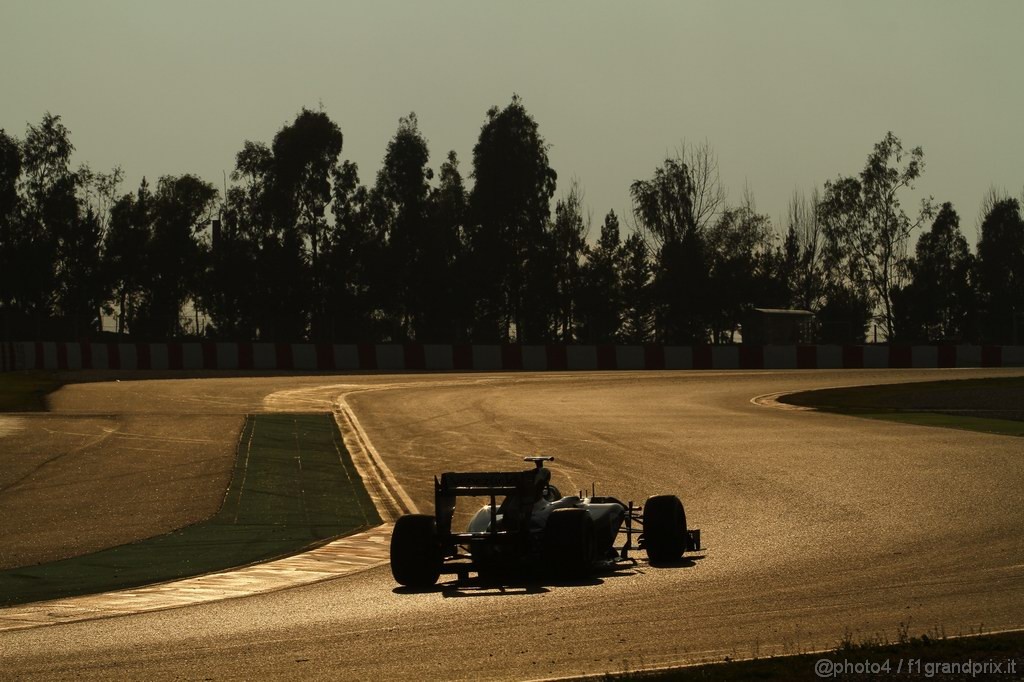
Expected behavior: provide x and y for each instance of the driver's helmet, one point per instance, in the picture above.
(542, 480)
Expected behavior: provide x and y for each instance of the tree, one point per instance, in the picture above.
(56, 239)
(243, 288)
(637, 300)
(269, 266)
(685, 193)
(182, 206)
(46, 156)
(47, 187)
(805, 249)
(357, 261)
(601, 298)
(10, 172)
(846, 307)
(82, 283)
(10, 220)
(707, 194)
(863, 216)
(845, 314)
(1000, 272)
(304, 155)
(743, 264)
(937, 303)
(400, 210)
(568, 240)
(664, 209)
(228, 293)
(99, 191)
(448, 305)
(254, 168)
(509, 210)
(663, 205)
(125, 244)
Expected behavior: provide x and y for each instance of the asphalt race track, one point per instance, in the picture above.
(815, 524)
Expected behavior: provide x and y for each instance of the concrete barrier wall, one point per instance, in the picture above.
(209, 355)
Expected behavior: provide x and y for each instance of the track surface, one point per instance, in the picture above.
(816, 523)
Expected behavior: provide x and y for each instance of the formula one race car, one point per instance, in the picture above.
(534, 525)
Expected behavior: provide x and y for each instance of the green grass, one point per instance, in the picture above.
(294, 486)
(986, 405)
(26, 391)
(1004, 427)
(912, 658)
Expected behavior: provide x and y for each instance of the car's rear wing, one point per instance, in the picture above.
(453, 484)
(511, 484)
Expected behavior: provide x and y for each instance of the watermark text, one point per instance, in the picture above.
(917, 667)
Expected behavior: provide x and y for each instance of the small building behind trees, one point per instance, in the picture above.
(778, 326)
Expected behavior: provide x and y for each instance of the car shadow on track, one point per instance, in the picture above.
(484, 587)
(491, 587)
(535, 583)
(685, 562)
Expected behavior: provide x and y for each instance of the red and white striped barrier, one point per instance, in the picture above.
(8, 362)
(210, 355)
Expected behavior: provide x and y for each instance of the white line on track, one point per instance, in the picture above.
(772, 400)
(388, 495)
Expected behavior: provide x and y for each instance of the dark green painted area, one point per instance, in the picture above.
(986, 405)
(294, 486)
(965, 422)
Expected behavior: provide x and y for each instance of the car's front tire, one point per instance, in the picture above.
(415, 551)
(569, 542)
(665, 536)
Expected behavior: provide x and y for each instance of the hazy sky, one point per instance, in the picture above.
(789, 94)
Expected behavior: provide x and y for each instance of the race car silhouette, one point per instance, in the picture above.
(533, 527)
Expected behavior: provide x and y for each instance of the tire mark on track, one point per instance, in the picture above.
(97, 438)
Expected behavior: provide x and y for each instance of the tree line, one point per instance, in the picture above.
(299, 248)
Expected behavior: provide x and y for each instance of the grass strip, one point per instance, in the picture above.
(26, 391)
(924, 658)
(1005, 427)
(293, 487)
(985, 405)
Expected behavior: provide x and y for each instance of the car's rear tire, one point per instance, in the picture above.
(569, 543)
(415, 551)
(665, 536)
